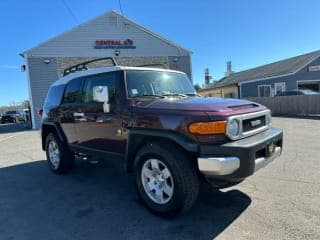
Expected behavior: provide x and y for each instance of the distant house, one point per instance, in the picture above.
(300, 72)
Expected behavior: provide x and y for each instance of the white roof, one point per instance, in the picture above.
(94, 71)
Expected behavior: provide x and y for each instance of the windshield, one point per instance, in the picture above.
(157, 83)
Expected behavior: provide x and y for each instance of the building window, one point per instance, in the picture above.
(313, 85)
(229, 95)
(264, 90)
(279, 87)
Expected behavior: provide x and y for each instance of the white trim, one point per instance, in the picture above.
(30, 93)
(265, 86)
(278, 76)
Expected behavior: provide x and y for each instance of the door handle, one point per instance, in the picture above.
(78, 114)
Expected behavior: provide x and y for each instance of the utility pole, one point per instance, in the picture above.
(207, 76)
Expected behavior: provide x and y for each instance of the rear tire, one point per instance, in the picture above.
(165, 178)
(59, 156)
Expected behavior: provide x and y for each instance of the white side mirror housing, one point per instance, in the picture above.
(101, 94)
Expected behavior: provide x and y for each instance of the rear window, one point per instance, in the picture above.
(54, 96)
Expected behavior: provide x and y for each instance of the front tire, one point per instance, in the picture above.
(60, 158)
(166, 179)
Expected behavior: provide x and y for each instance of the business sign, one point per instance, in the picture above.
(314, 68)
(114, 44)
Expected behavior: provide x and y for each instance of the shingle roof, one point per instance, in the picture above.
(286, 66)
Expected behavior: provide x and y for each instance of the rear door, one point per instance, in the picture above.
(70, 108)
(96, 129)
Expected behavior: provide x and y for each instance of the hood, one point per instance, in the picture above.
(223, 105)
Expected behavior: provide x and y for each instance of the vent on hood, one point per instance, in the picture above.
(238, 107)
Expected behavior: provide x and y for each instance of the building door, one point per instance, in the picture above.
(279, 87)
(97, 129)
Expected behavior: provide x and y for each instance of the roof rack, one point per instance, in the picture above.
(164, 66)
(83, 66)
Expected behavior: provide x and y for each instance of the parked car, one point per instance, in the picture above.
(169, 138)
(297, 92)
(10, 117)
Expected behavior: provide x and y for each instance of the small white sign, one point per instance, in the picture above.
(314, 68)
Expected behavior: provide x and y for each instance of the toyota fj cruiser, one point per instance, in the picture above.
(169, 137)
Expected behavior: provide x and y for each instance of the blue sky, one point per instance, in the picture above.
(248, 32)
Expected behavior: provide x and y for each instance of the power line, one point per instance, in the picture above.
(70, 11)
(120, 6)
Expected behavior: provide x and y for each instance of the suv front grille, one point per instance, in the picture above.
(253, 123)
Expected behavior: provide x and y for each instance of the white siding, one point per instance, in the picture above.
(81, 40)
(41, 77)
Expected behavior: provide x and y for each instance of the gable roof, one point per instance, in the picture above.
(279, 68)
(106, 14)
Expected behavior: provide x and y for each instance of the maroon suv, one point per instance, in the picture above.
(169, 137)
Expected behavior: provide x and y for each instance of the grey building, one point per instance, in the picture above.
(108, 35)
(300, 72)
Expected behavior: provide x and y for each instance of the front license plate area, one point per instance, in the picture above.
(270, 149)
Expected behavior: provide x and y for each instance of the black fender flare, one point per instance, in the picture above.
(137, 137)
(45, 126)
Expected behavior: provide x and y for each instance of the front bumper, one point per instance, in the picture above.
(237, 160)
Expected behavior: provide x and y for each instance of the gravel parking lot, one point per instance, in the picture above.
(97, 201)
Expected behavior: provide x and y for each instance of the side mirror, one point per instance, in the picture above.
(101, 94)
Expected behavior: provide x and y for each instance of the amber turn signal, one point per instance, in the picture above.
(218, 127)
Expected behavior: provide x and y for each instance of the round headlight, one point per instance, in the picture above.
(233, 128)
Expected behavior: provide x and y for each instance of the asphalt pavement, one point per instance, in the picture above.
(98, 201)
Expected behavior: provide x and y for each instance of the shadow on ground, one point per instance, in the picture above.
(14, 127)
(98, 201)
